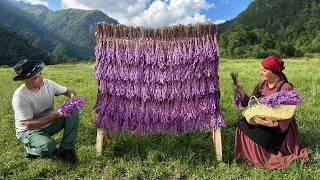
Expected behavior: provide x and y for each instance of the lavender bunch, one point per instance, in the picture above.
(234, 77)
(73, 104)
(237, 97)
(282, 97)
(236, 92)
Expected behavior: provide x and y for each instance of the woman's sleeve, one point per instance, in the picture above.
(286, 87)
(283, 125)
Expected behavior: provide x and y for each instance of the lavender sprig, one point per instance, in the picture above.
(73, 104)
(236, 92)
(237, 97)
(234, 77)
(282, 97)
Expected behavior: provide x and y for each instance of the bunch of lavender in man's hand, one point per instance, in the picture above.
(282, 97)
(236, 92)
(73, 104)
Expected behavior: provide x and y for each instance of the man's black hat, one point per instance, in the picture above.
(26, 69)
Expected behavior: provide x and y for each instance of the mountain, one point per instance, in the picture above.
(64, 34)
(29, 7)
(283, 27)
(14, 47)
(77, 27)
(40, 11)
(35, 32)
(70, 24)
(26, 25)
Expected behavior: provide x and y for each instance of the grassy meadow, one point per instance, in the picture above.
(161, 156)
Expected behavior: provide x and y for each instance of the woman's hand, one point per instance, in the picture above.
(259, 120)
(265, 122)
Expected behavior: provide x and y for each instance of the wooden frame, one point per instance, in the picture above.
(103, 138)
(216, 137)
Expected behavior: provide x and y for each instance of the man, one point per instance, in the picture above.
(35, 118)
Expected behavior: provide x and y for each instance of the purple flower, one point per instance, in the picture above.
(282, 97)
(73, 104)
(157, 80)
(237, 97)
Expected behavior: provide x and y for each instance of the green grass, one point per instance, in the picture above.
(160, 156)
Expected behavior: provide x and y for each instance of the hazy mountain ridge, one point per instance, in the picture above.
(64, 34)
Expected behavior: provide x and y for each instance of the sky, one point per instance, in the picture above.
(156, 13)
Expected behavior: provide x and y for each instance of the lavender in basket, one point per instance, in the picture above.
(73, 104)
(282, 97)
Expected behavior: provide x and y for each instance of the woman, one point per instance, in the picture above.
(268, 144)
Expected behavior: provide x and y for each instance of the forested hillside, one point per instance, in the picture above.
(290, 28)
(14, 47)
(284, 27)
(63, 35)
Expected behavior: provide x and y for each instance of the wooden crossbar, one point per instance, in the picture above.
(104, 138)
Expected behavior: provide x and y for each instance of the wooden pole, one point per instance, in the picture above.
(103, 138)
(216, 137)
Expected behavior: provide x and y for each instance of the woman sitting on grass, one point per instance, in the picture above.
(268, 144)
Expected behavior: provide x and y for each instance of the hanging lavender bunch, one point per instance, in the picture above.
(282, 97)
(164, 80)
(73, 104)
(236, 92)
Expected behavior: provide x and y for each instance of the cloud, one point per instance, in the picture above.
(219, 21)
(146, 12)
(36, 2)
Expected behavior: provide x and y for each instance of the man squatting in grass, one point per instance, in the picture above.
(35, 118)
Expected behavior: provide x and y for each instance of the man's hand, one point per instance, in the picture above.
(71, 94)
(62, 114)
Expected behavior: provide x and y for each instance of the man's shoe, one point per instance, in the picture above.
(30, 157)
(68, 155)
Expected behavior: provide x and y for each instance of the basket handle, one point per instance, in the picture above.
(252, 98)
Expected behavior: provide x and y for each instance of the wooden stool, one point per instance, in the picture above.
(103, 138)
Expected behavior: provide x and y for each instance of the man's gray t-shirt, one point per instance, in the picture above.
(28, 104)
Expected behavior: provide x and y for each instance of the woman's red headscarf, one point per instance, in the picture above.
(274, 64)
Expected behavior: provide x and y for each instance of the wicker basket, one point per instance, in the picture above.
(279, 112)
